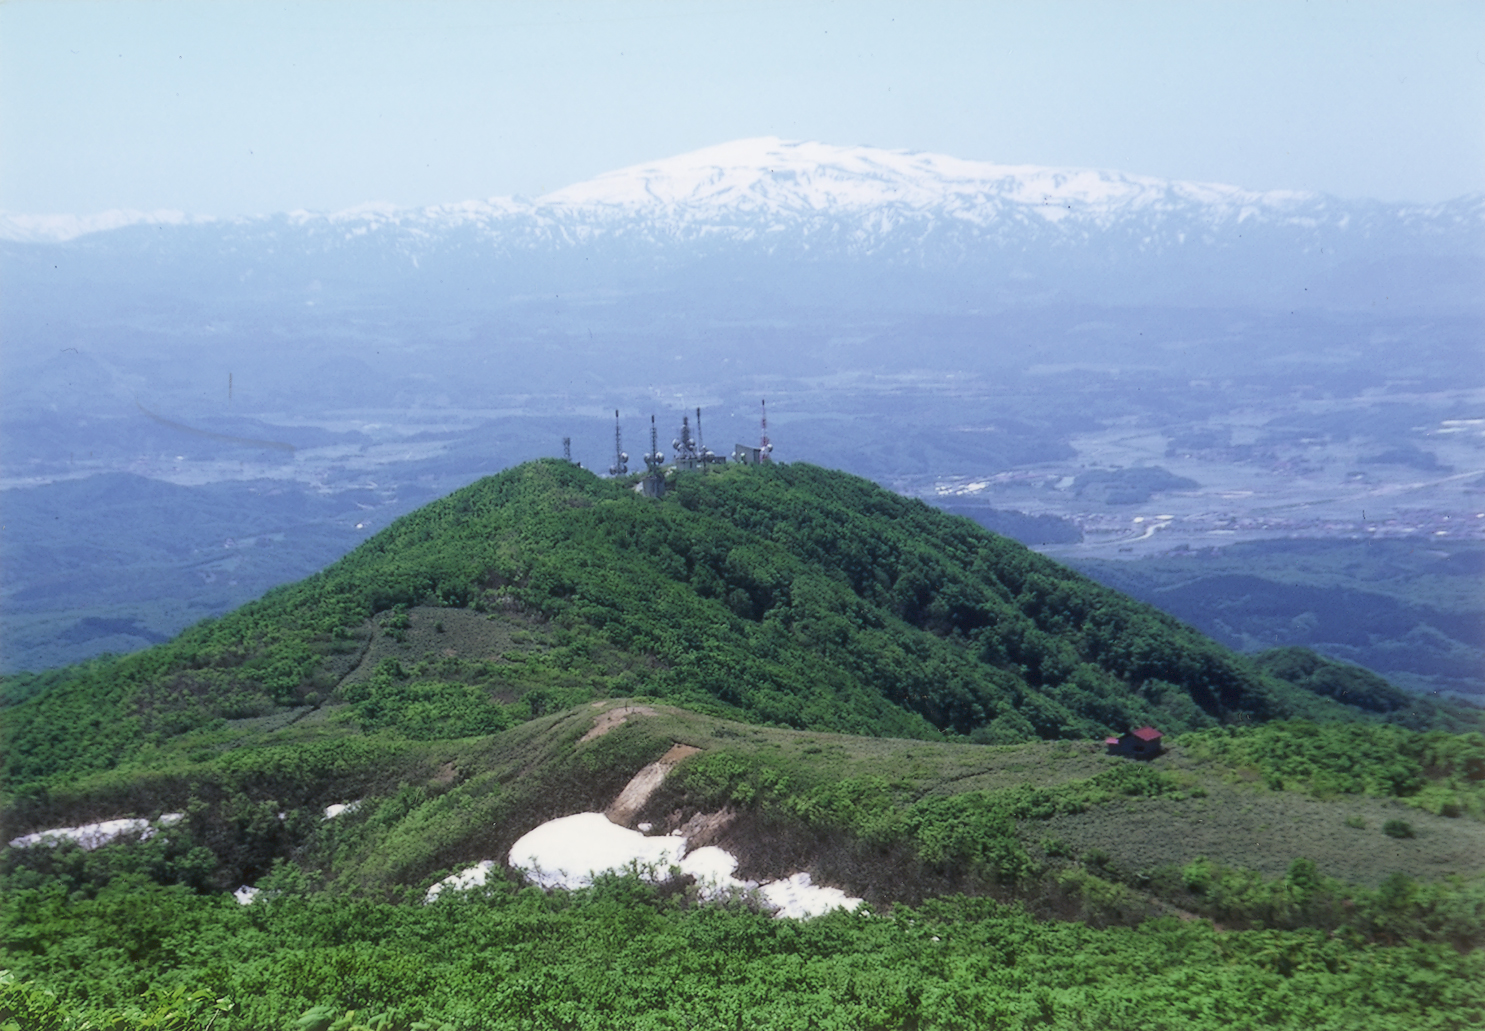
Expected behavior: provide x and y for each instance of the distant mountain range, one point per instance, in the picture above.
(933, 228)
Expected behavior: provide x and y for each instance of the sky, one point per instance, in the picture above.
(253, 107)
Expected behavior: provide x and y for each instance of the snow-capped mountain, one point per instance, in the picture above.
(1004, 231)
(783, 179)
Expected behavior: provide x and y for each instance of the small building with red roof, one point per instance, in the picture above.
(1137, 744)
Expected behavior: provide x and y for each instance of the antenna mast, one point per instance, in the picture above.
(707, 458)
(621, 460)
(653, 485)
(765, 446)
(654, 460)
(687, 458)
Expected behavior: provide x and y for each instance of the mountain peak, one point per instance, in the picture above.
(771, 174)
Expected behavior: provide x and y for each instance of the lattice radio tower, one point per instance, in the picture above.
(621, 460)
(707, 458)
(655, 459)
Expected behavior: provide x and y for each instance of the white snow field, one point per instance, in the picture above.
(570, 851)
(91, 835)
(474, 877)
(713, 868)
(796, 897)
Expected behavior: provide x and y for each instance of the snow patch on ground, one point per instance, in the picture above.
(796, 897)
(91, 835)
(474, 877)
(713, 869)
(570, 851)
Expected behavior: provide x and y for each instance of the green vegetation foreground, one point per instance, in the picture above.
(621, 955)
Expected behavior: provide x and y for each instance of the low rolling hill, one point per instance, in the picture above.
(788, 595)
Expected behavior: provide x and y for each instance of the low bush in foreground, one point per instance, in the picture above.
(627, 955)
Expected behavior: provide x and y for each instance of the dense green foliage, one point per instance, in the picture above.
(787, 595)
(140, 934)
(624, 955)
(1440, 772)
(1348, 684)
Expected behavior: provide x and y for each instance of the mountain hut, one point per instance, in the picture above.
(1137, 744)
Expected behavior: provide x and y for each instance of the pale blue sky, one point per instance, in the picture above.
(223, 108)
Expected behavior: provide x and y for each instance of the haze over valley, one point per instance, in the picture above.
(1105, 365)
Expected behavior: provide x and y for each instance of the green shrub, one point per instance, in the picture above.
(1438, 772)
(1057, 848)
(1397, 829)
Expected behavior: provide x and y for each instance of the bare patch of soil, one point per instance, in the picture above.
(702, 828)
(446, 774)
(639, 789)
(615, 717)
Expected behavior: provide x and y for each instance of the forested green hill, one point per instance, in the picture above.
(888, 697)
(785, 595)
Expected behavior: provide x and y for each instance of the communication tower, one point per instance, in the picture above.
(706, 457)
(621, 460)
(655, 459)
(653, 485)
(760, 455)
(567, 450)
(687, 457)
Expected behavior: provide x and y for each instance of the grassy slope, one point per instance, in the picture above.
(1055, 823)
(790, 595)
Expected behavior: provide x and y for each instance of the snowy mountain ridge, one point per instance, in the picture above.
(767, 182)
(61, 228)
(769, 175)
(768, 214)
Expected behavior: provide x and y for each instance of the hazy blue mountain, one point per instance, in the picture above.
(768, 215)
